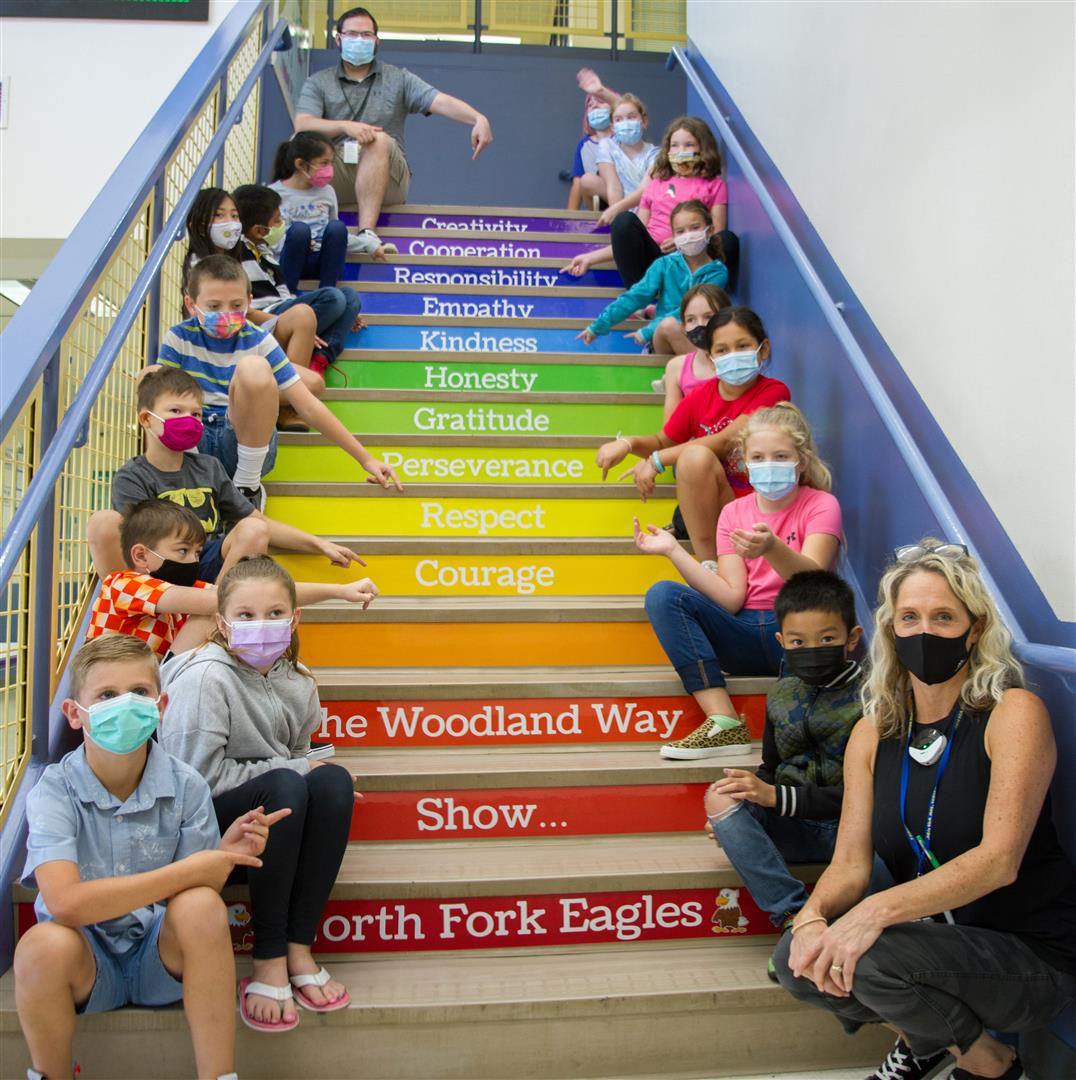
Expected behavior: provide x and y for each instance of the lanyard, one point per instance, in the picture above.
(356, 114)
(920, 857)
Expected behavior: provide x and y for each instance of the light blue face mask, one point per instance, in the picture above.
(358, 51)
(628, 132)
(773, 480)
(598, 119)
(122, 724)
(737, 368)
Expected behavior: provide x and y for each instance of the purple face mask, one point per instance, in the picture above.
(260, 642)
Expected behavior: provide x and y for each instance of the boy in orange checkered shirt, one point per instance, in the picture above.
(159, 598)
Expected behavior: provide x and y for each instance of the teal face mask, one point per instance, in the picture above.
(773, 479)
(737, 368)
(358, 51)
(628, 132)
(122, 724)
(598, 119)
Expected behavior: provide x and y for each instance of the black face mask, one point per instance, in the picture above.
(697, 336)
(933, 659)
(177, 573)
(818, 666)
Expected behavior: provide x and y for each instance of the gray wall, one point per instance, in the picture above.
(532, 101)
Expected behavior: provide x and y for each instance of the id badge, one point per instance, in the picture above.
(351, 152)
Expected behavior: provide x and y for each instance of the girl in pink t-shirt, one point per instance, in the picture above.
(722, 620)
(687, 166)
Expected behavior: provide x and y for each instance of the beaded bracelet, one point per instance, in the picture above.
(655, 460)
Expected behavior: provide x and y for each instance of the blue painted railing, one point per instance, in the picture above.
(33, 340)
(1052, 658)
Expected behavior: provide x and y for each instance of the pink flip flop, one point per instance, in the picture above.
(277, 993)
(318, 980)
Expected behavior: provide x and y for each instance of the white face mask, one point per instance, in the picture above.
(225, 234)
(692, 243)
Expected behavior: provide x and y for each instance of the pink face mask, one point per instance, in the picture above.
(321, 176)
(180, 432)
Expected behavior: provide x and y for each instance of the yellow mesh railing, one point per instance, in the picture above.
(241, 146)
(17, 460)
(654, 24)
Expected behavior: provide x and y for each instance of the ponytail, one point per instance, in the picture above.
(302, 146)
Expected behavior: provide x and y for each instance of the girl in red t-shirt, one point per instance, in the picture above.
(683, 373)
(701, 437)
(722, 620)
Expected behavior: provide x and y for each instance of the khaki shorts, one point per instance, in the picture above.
(399, 178)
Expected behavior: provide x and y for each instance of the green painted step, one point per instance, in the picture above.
(500, 418)
(484, 376)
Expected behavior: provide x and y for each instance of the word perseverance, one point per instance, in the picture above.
(498, 722)
(517, 918)
(439, 341)
(456, 309)
(405, 275)
(481, 469)
(507, 249)
(480, 418)
(435, 516)
(477, 224)
(523, 579)
(445, 378)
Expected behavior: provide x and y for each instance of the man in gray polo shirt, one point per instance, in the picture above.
(362, 104)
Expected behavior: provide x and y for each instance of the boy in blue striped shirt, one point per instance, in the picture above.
(243, 374)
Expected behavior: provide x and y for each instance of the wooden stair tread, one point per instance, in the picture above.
(484, 609)
(486, 397)
(360, 489)
(489, 211)
(580, 358)
(564, 292)
(487, 545)
(447, 440)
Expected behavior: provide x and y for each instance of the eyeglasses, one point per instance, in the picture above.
(351, 35)
(913, 552)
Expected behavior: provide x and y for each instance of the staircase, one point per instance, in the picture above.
(528, 892)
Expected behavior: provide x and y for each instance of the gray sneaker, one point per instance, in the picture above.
(367, 242)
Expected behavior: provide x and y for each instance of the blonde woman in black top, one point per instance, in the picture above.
(946, 779)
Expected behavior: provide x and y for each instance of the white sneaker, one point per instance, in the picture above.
(658, 385)
(255, 495)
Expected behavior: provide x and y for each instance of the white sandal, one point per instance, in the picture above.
(318, 980)
(276, 993)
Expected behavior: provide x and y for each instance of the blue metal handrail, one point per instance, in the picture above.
(1052, 657)
(33, 364)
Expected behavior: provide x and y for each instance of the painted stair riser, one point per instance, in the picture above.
(449, 223)
(462, 306)
(453, 464)
(517, 723)
(502, 418)
(485, 340)
(395, 515)
(444, 245)
(532, 813)
(492, 575)
(399, 272)
(493, 377)
(409, 925)
(471, 644)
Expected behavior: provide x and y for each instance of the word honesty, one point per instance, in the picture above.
(476, 341)
(446, 378)
(476, 224)
(522, 278)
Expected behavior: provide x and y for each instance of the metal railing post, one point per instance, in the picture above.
(330, 21)
(614, 29)
(43, 562)
(153, 308)
(477, 47)
(222, 108)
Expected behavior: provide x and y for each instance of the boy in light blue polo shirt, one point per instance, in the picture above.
(125, 851)
(243, 373)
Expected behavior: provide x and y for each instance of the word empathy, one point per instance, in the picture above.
(476, 224)
(464, 814)
(508, 723)
(465, 468)
(476, 341)
(446, 378)
(479, 419)
(476, 309)
(506, 249)
(564, 919)
(521, 278)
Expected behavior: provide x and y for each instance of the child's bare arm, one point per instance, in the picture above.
(362, 592)
(289, 538)
(181, 600)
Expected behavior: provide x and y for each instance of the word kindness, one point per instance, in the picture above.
(476, 341)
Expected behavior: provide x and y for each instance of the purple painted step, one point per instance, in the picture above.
(500, 223)
(448, 246)
(503, 276)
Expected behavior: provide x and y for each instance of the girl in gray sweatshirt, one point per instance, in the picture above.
(241, 711)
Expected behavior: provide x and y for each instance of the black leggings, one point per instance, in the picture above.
(634, 249)
(301, 860)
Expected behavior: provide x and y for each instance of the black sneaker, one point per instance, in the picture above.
(1014, 1072)
(256, 495)
(901, 1064)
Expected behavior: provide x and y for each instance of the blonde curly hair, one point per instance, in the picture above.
(992, 667)
(784, 416)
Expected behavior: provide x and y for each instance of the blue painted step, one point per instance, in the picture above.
(463, 339)
(482, 307)
(402, 273)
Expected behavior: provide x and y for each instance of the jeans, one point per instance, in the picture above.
(298, 259)
(288, 892)
(758, 841)
(335, 310)
(703, 640)
(219, 440)
(135, 977)
(941, 985)
(634, 249)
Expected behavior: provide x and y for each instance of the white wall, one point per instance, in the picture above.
(932, 147)
(82, 90)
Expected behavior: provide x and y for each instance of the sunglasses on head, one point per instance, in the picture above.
(912, 552)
